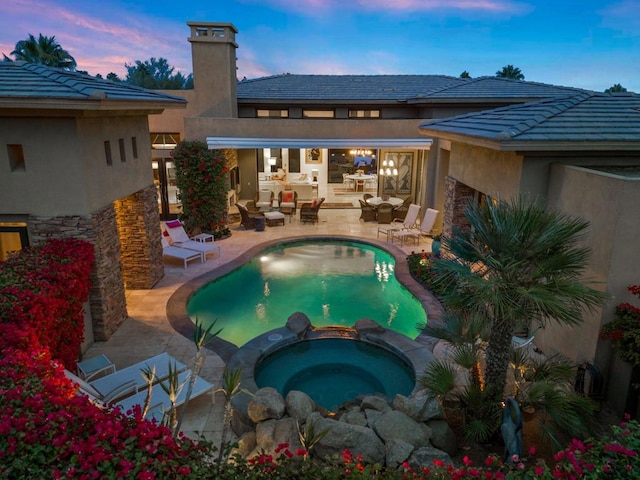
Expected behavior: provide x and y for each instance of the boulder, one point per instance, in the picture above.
(422, 406)
(397, 451)
(395, 425)
(246, 444)
(372, 415)
(271, 433)
(344, 436)
(299, 405)
(299, 324)
(354, 416)
(443, 438)
(375, 402)
(424, 457)
(266, 404)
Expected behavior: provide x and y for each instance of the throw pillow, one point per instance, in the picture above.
(287, 197)
(174, 224)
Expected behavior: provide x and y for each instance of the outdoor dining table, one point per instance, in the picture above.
(394, 201)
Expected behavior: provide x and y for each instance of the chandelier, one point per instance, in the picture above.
(361, 153)
(388, 168)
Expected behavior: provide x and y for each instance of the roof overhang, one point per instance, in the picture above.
(256, 142)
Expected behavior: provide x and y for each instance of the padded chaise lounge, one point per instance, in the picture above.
(179, 238)
(183, 254)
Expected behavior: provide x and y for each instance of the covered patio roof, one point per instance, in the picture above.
(422, 143)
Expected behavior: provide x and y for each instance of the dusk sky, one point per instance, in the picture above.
(587, 44)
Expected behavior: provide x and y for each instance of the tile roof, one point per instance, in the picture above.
(22, 82)
(392, 88)
(591, 120)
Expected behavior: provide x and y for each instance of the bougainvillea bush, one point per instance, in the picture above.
(42, 292)
(624, 330)
(201, 178)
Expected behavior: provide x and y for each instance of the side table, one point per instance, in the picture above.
(203, 237)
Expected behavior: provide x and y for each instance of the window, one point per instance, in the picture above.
(318, 114)
(123, 151)
(16, 158)
(272, 113)
(13, 238)
(107, 152)
(134, 147)
(364, 113)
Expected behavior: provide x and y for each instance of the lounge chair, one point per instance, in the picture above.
(264, 199)
(408, 222)
(385, 213)
(367, 212)
(426, 228)
(133, 373)
(126, 397)
(95, 367)
(309, 211)
(179, 238)
(183, 254)
(248, 219)
(160, 399)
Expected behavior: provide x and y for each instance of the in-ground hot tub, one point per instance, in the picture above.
(285, 348)
(334, 370)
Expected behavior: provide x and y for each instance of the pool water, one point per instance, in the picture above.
(334, 370)
(332, 282)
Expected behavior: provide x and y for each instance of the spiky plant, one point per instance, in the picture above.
(172, 387)
(149, 376)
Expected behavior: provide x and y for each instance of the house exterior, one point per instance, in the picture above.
(75, 153)
(581, 154)
(468, 138)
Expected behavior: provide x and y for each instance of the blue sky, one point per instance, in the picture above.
(587, 44)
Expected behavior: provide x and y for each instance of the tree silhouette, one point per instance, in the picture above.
(44, 51)
(156, 74)
(616, 88)
(509, 71)
(465, 74)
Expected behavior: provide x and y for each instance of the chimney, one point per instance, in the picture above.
(213, 53)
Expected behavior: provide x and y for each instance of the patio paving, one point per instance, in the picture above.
(147, 332)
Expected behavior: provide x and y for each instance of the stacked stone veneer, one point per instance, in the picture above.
(457, 197)
(107, 297)
(139, 227)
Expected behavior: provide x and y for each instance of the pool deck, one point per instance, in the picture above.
(147, 331)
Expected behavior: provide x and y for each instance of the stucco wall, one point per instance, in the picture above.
(488, 171)
(66, 172)
(609, 203)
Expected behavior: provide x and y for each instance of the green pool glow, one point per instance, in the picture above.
(333, 282)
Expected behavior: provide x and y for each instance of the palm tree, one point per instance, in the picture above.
(518, 263)
(509, 71)
(44, 51)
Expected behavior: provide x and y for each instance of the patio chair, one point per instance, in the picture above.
(426, 228)
(348, 183)
(179, 238)
(178, 253)
(409, 221)
(366, 196)
(385, 213)
(367, 212)
(248, 219)
(288, 199)
(309, 211)
(251, 206)
(264, 199)
(403, 209)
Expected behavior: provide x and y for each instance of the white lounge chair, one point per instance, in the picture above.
(179, 238)
(397, 224)
(426, 227)
(160, 363)
(128, 380)
(183, 254)
(160, 399)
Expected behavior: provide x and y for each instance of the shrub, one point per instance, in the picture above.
(624, 330)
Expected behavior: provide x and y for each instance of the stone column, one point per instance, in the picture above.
(457, 197)
(107, 301)
(139, 227)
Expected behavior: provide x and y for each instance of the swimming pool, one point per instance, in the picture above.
(334, 282)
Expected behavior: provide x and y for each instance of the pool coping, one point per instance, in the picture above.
(177, 304)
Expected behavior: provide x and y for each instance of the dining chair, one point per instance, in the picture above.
(367, 212)
(385, 213)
